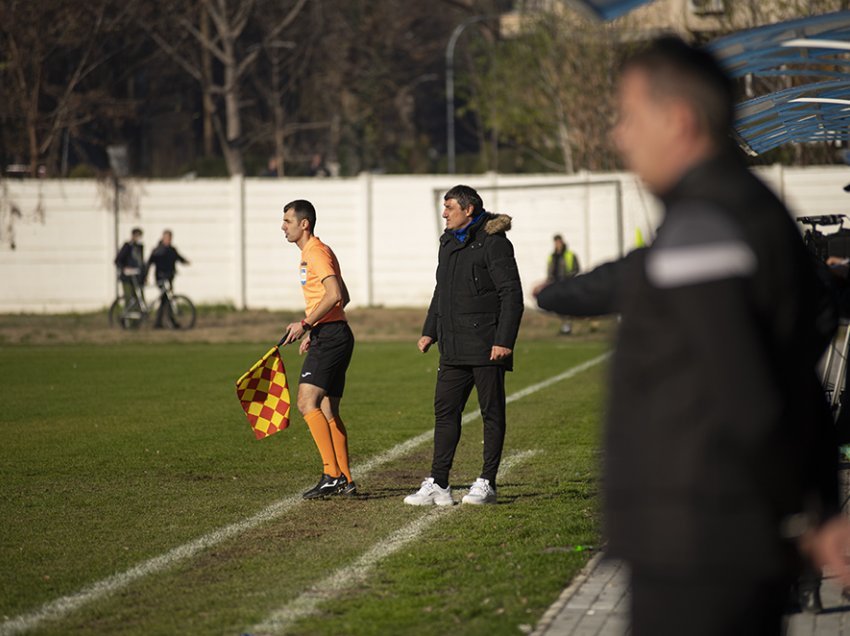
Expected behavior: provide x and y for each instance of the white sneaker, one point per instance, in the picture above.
(430, 493)
(481, 492)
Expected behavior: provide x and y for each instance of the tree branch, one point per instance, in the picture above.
(245, 63)
(216, 16)
(174, 55)
(287, 20)
(204, 41)
(240, 20)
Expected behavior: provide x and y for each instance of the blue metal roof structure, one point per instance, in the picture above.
(814, 54)
(607, 9)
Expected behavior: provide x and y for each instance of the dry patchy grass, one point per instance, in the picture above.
(216, 325)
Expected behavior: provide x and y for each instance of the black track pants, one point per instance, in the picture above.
(454, 384)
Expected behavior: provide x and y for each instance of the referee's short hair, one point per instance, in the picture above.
(677, 69)
(466, 196)
(303, 210)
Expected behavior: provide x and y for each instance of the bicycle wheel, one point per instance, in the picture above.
(182, 312)
(126, 315)
(115, 311)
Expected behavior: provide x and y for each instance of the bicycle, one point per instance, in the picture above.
(131, 313)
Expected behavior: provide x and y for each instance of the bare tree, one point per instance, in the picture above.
(221, 42)
(285, 65)
(207, 99)
(53, 48)
(224, 39)
(376, 71)
(549, 91)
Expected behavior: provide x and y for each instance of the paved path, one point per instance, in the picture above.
(596, 604)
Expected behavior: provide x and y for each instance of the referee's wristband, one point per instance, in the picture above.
(306, 326)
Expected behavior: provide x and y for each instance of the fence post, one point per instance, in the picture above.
(621, 240)
(237, 206)
(368, 212)
(587, 217)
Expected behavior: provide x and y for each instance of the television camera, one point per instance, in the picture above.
(823, 243)
(827, 236)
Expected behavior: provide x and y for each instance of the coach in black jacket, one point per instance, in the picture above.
(718, 458)
(474, 317)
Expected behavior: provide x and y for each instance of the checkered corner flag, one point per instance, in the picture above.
(264, 394)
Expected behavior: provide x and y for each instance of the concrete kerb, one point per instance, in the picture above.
(551, 614)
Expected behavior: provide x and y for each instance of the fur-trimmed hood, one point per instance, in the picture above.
(495, 223)
(486, 224)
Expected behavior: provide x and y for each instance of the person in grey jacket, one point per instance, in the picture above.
(474, 318)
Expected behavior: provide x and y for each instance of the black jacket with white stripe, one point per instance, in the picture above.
(717, 432)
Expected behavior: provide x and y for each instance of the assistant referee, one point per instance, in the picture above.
(329, 344)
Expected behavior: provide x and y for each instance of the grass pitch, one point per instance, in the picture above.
(112, 455)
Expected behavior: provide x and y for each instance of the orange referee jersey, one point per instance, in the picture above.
(317, 263)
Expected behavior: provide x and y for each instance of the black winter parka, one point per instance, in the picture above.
(477, 301)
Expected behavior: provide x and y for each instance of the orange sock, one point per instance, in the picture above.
(340, 440)
(321, 432)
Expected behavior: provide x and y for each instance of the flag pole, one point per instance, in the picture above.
(283, 338)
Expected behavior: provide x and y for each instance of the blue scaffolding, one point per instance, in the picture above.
(607, 9)
(813, 54)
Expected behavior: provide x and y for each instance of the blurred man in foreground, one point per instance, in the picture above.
(719, 465)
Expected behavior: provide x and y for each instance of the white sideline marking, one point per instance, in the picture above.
(347, 577)
(54, 610)
(565, 375)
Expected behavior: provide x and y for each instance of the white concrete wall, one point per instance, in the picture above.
(384, 229)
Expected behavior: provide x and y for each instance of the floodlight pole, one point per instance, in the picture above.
(450, 87)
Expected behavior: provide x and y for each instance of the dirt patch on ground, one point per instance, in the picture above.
(216, 325)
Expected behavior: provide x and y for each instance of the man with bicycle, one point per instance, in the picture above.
(165, 258)
(130, 262)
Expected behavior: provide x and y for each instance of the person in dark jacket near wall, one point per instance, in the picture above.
(130, 262)
(474, 318)
(164, 258)
(719, 467)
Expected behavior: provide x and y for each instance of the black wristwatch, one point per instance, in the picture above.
(306, 326)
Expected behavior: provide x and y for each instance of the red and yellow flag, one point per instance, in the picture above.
(264, 394)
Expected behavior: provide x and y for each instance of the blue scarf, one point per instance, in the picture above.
(462, 233)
